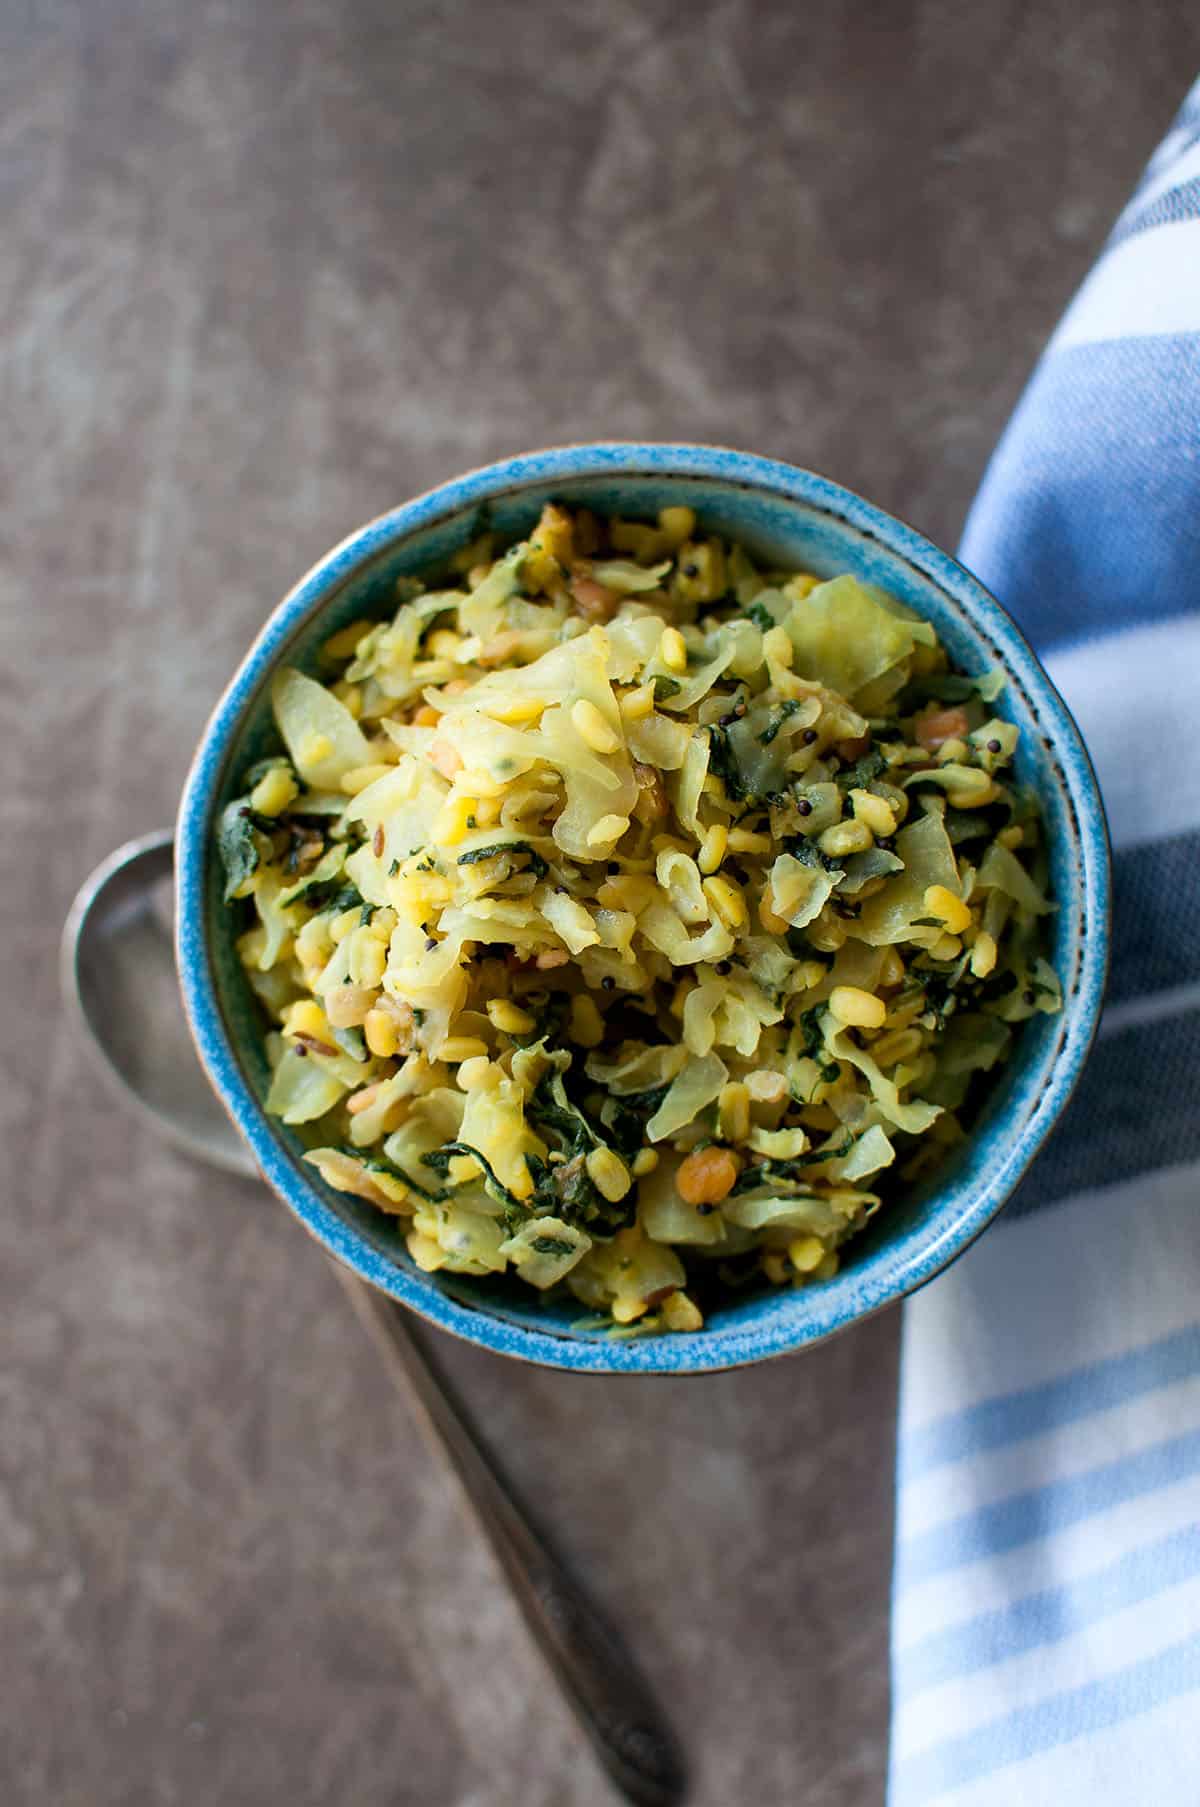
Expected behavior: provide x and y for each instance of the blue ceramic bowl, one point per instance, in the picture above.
(792, 517)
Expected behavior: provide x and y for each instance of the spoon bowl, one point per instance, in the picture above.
(118, 974)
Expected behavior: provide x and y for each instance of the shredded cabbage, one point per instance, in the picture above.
(843, 636)
(322, 737)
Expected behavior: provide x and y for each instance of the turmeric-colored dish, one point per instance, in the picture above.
(633, 920)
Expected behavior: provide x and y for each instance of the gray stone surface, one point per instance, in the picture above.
(264, 270)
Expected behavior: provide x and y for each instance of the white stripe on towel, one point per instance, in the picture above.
(1115, 687)
(1146, 285)
(1174, 173)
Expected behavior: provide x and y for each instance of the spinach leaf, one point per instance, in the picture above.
(834, 1154)
(724, 766)
(860, 774)
(809, 854)
(332, 894)
(565, 1189)
(777, 720)
(237, 845)
(939, 990)
(377, 1163)
(566, 1186)
(790, 1176)
(736, 1275)
(549, 1018)
(811, 1026)
(515, 1210)
(552, 1245)
(537, 864)
(625, 1118)
(811, 1023)
(553, 1113)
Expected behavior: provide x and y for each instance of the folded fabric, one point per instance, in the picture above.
(1046, 1609)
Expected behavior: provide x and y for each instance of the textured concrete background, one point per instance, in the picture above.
(265, 270)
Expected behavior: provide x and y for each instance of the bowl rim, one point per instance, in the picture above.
(895, 1273)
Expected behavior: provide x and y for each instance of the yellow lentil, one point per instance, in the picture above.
(743, 840)
(637, 704)
(983, 955)
(876, 812)
(712, 847)
(381, 1033)
(587, 1025)
(845, 838)
(678, 524)
(344, 643)
(592, 728)
(672, 649)
(733, 1112)
(475, 1074)
(806, 1253)
(941, 902)
(509, 1018)
(608, 1173)
(727, 902)
(274, 791)
(457, 1048)
(858, 1009)
(607, 829)
(679, 1313)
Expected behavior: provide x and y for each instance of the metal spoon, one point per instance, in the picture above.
(118, 974)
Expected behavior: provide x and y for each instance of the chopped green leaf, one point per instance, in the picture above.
(441, 1158)
(812, 1028)
(378, 1163)
(553, 1112)
(856, 777)
(777, 720)
(237, 845)
(537, 864)
(551, 1245)
(625, 1118)
(331, 894)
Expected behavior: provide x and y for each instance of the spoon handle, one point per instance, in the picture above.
(597, 1675)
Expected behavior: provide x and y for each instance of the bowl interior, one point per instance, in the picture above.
(818, 527)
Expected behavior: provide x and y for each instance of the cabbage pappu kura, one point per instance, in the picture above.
(634, 920)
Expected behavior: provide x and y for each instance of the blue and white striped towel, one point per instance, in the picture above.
(1046, 1628)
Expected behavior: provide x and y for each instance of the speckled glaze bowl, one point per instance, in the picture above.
(792, 517)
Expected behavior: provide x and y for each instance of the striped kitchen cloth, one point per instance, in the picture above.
(1046, 1609)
